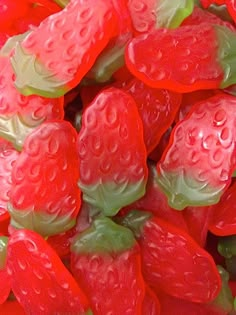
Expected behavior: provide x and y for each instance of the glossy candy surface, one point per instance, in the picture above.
(201, 57)
(47, 162)
(202, 171)
(30, 257)
(82, 29)
(114, 116)
(112, 153)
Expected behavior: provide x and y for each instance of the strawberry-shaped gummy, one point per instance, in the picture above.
(112, 153)
(198, 163)
(172, 261)
(39, 280)
(20, 114)
(106, 262)
(221, 305)
(5, 285)
(148, 15)
(203, 57)
(157, 109)
(82, 28)
(44, 195)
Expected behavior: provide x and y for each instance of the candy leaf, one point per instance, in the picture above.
(34, 77)
(3, 251)
(226, 54)
(171, 14)
(104, 236)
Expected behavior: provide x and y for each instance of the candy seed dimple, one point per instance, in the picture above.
(84, 31)
(59, 23)
(203, 175)
(95, 263)
(39, 275)
(86, 14)
(153, 116)
(51, 65)
(85, 173)
(160, 74)
(65, 285)
(225, 134)
(112, 147)
(48, 45)
(220, 117)
(31, 246)
(24, 291)
(53, 146)
(125, 157)
(142, 26)
(173, 156)
(20, 200)
(184, 66)
(107, 17)
(34, 171)
(22, 264)
(194, 156)
(209, 142)
(42, 307)
(9, 271)
(52, 175)
(139, 6)
(32, 147)
(37, 290)
(51, 293)
(96, 145)
(111, 116)
(105, 166)
(82, 149)
(67, 35)
(70, 52)
(90, 119)
(224, 175)
(218, 155)
(123, 132)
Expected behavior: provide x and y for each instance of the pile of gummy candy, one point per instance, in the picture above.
(117, 157)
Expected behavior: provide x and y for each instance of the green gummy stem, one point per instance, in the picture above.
(103, 237)
(110, 197)
(226, 54)
(3, 251)
(41, 222)
(135, 220)
(224, 301)
(227, 246)
(62, 4)
(182, 190)
(170, 14)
